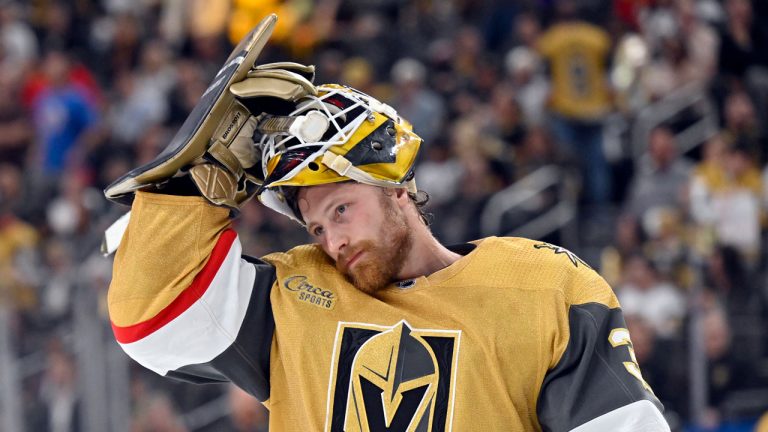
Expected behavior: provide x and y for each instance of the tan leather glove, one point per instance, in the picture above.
(215, 144)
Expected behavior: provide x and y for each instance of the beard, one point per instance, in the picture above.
(383, 259)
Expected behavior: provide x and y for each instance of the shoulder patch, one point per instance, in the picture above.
(558, 250)
(300, 287)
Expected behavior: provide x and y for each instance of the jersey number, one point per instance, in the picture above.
(620, 337)
(578, 74)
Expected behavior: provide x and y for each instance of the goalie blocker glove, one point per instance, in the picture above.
(215, 146)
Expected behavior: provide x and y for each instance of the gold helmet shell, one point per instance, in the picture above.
(358, 138)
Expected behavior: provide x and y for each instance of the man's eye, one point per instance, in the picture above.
(317, 231)
(341, 209)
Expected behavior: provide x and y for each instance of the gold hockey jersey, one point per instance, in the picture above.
(517, 335)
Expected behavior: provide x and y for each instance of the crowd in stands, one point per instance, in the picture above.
(674, 218)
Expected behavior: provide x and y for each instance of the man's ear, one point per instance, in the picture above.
(401, 196)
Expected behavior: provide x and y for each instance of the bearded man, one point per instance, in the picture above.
(375, 326)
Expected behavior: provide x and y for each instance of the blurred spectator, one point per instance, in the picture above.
(644, 293)
(189, 87)
(136, 108)
(527, 29)
(60, 393)
(740, 40)
(58, 29)
(742, 124)
(727, 275)
(151, 142)
(414, 101)
(700, 40)
(209, 52)
(631, 58)
(707, 175)
(531, 88)
(727, 194)
(662, 364)
(657, 20)
(725, 372)
(468, 49)
(16, 133)
(439, 174)
(71, 213)
(156, 70)
(368, 34)
(505, 120)
(577, 53)
(18, 241)
(75, 74)
(742, 63)
(537, 150)
(18, 43)
(357, 73)
(672, 69)
(208, 18)
(64, 116)
(156, 413)
(628, 12)
(482, 175)
(627, 242)
(57, 289)
(264, 231)
(329, 64)
(666, 244)
(246, 413)
(122, 45)
(661, 178)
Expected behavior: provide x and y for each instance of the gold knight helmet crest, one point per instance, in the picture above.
(399, 378)
(394, 379)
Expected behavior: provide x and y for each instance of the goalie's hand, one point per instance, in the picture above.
(230, 171)
(214, 146)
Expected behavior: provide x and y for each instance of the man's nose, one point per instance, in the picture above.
(336, 241)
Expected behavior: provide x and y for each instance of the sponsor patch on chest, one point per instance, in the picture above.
(306, 292)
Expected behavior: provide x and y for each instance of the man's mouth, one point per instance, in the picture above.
(354, 259)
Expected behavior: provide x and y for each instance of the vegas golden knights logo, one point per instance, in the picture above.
(396, 378)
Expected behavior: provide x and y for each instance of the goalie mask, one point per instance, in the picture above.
(339, 135)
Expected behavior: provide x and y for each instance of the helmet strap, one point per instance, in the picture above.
(344, 167)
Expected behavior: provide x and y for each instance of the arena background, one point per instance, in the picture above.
(632, 132)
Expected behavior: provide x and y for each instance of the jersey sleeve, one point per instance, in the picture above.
(594, 383)
(184, 302)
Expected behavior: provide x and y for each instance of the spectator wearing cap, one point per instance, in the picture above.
(523, 67)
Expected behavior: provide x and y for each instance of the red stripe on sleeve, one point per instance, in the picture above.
(187, 298)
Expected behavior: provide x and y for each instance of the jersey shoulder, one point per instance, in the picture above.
(308, 257)
(521, 263)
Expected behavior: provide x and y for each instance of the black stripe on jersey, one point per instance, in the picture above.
(462, 248)
(246, 361)
(591, 378)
